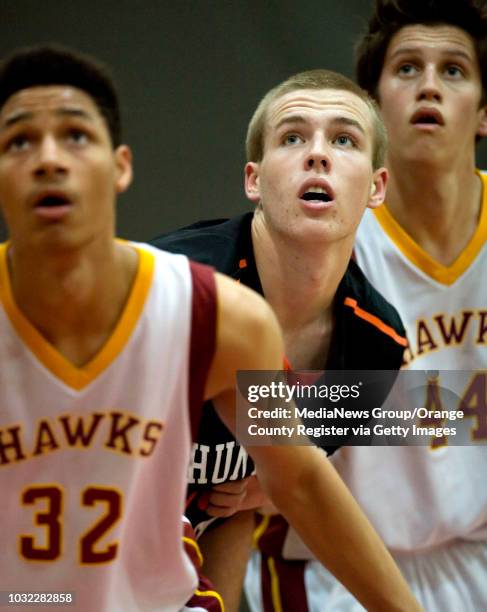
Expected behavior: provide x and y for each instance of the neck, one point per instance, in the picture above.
(438, 207)
(300, 281)
(75, 298)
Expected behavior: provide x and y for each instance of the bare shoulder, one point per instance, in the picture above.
(248, 335)
(241, 303)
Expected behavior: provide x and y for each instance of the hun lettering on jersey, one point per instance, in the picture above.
(229, 462)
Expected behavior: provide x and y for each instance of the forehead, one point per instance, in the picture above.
(319, 104)
(438, 40)
(48, 99)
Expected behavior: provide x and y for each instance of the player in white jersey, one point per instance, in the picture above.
(108, 350)
(94, 430)
(115, 409)
(426, 251)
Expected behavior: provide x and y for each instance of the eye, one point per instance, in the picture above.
(292, 139)
(77, 136)
(453, 71)
(407, 69)
(345, 140)
(19, 142)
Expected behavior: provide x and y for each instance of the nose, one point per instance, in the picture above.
(429, 85)
(318, 157)
(50, 160)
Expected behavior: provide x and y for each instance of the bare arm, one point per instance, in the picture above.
(301, 481)
(226, 548)
(316, 502)
(248, 337)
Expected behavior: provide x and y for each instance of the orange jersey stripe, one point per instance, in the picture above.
(373, 320)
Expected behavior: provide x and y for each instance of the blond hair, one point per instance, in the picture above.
(313, 79)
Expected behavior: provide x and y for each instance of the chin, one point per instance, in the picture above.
(315, 234)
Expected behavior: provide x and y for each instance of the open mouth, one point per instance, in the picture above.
(316, 192)
(426, 121)
(427, 117)
(319, 195)
(50, 201)
(52, 205)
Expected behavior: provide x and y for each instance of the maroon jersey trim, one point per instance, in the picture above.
(203, 338)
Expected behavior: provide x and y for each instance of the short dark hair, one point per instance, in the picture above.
(58, 65)
(391, 15)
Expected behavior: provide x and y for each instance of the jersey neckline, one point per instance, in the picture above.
(73, 376)
(445, 275)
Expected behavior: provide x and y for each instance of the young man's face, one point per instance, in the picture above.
(59, 174)
(429, 93)
(315, 178)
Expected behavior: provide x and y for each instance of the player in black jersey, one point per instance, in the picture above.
(315, 148)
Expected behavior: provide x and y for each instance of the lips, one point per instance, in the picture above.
(427, 116)
(52, 205)
(51, 199)
(316, 190)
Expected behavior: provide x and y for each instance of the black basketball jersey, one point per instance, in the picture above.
(368, 335)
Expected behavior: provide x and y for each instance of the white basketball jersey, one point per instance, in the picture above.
(93, 460)
(419, 497)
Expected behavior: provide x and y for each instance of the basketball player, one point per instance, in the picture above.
(425, 250)
(98, 339)
(315, 148)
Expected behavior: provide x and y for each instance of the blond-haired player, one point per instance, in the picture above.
(315, 149)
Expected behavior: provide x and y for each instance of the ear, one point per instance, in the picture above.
(482, 127)
(251, 178)
(123, 168)
(378, 188)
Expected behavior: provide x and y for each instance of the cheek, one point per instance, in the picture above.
(466, 107)
(100, 178)
(10, 188)
(358, 188)
(390, 112)
(386, 90)
(272, 181)
(392, 99)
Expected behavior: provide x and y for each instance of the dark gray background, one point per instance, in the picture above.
(190, 75)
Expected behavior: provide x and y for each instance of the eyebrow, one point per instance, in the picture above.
(19, 116)
(349, 122)
(290, 119)
(336, 121)
(448, 52)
